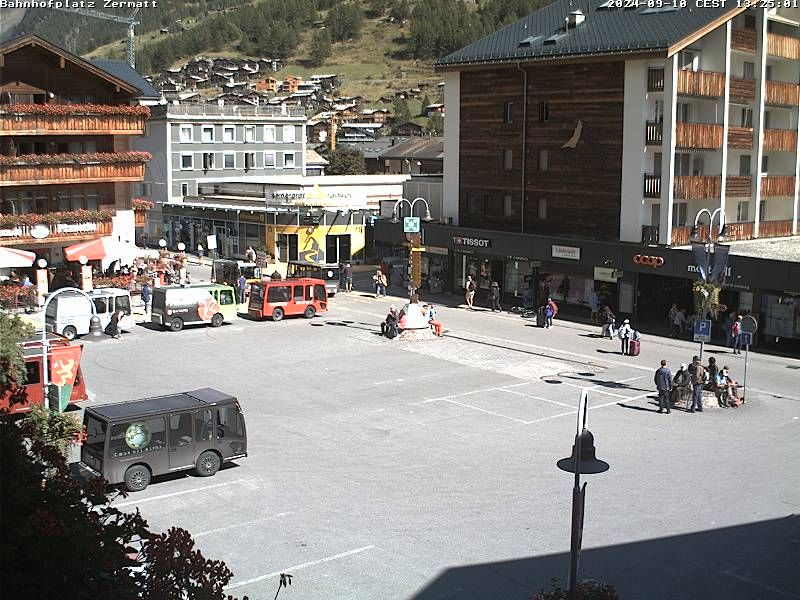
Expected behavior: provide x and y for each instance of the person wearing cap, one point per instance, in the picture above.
(680, 384)
(625, 333)
(663, 381)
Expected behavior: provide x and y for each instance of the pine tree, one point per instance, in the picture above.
(320, 47)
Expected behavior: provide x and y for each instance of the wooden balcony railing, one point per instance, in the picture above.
(740, 138)
(768, 229)
(653, 132)
(738, 186)
(698, 135)
(701, 83)
(743, 89)
(73, 172)
(85, 124)
(777, 185)
(744, 40)
(140, 218)
(61, 232)
(783, 46)
(655, 79)
(691, 187)
(652, 185)
(782, 140)
(781, 94)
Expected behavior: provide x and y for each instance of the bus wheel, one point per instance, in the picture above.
(277, 314)
(216, 320)
(176, 324)
(310, 312)
(207, 464)
(69, 332)
(137, 478)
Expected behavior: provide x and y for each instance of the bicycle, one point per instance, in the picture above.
(526, 312)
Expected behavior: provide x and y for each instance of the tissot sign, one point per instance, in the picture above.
(471, 242)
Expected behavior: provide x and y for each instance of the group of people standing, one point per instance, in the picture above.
(694, 379)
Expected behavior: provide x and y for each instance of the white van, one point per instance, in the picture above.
(69, 312)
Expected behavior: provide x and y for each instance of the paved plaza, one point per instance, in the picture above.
(389, 469)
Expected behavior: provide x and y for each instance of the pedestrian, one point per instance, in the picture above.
(608, 323)
(673, 310)
(250, 254)
(711, 373)
(680, 384)
(380, 283)
(678, 322)
(663, 381)
(389, 324)
(200, 252)
(469, 292)
(241, 287)
(275, 276)
(550, 312)
(340, 266)
(147, 296)
(625, 334)
(732, 387)
(348, 277)
(430, 314)
(736, 334)
(112, 328)
(698, 381)
(494, 294)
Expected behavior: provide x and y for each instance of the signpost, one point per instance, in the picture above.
(702, 333)
(411, 224)
(749, 328)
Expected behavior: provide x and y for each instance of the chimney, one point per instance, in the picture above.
(575, 18)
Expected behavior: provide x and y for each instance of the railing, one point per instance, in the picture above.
(653, 132)
(768, 229)
(740, 138)
(51, 174)
(61, 232)
(212, 110)
(777, 185)
(139, 218)
(698, 135)
(738, 186)
(655, 79)
(650, 235)
(783, 45)
(743, 89)
(784, 140)
(652, 185)
(782, 94)
(79, 124)
(701, 83)
(744, 40)
(681, 235)
(691, 187)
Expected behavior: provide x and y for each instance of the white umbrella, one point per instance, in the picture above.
(11, 258)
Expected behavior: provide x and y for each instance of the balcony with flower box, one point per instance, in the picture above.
(140, 207)
(59, 227)
(44, 169)
(781, 140)
(72, 119)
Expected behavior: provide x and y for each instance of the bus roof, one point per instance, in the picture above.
(160, 404)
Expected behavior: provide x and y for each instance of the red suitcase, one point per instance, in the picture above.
(635, 346)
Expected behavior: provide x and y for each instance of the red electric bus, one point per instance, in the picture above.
(285, 297)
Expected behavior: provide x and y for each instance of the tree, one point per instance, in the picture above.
(320, 47)
(435, 124)
(345, 21)
(425, 102)
(400, 111)
(12, 362)
(345, 161)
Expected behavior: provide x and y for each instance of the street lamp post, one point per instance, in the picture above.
(95, 329)
(582, 460)
(416, 248)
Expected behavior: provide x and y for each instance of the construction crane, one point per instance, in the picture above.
(129, 21)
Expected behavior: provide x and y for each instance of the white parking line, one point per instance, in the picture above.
(243, 524)
(301, 566)
(181, 493)
(533, 397)
(489, 412)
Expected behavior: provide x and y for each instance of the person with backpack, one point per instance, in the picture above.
(736, 334)
(625, 333)
(608, 323)
(469, 292)
(550, 311)
(389, 324)
(663, 381)
(698, 382)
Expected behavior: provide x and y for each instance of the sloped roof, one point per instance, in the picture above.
(122, 70)
(424, 148)
(604, 31)
(315, 158)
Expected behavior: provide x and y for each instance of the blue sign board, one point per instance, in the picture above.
(702, 330)
(411, 225)
(746, 338)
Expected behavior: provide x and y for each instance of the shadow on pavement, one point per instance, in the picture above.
(744, 562)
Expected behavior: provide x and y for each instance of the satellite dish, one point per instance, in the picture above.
(322, 135)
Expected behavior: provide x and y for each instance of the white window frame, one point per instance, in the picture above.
(190, 129)
(203, 131)
(191, 159)
(249, 134)
(269, 134)
(273, 156)
(286, 155)
(289, 138)
(225, 130)
(225, 156)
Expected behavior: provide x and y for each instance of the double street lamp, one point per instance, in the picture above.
(416, 249)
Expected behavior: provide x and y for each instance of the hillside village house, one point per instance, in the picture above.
(584, 136)
(66, 158)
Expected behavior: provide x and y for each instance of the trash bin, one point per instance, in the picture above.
(541, 319)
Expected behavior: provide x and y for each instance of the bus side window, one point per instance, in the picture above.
(298, 293)
(309, 292)
(225, 297)
(203, 426)
(100, 305)
(33, 369)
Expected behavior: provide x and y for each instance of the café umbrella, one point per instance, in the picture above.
(11, 258)
(105, 249)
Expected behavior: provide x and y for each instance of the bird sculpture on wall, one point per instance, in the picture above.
(576, 136)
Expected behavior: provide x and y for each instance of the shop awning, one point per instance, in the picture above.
(11, 258)
(105, 249)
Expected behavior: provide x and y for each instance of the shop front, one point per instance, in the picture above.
(321, 237)
(235, 230)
